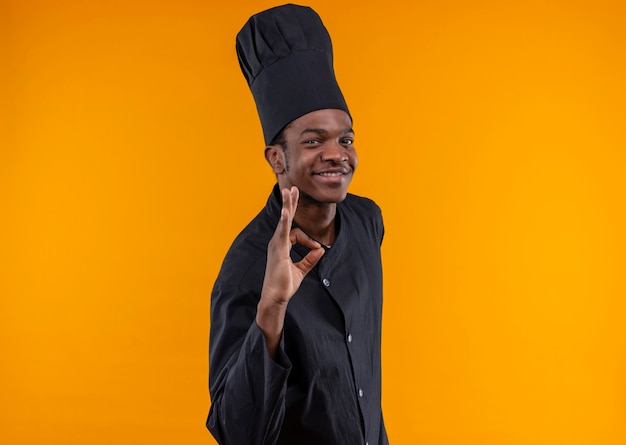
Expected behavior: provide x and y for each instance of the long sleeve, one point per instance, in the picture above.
(324, 386)
(247, 387)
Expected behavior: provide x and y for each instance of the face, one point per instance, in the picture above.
(319, 159)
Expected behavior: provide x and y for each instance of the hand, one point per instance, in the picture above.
(282, 276)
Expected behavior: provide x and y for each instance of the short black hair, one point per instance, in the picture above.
(282, 141)
(279, 139)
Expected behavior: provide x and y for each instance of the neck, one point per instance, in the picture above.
(317, 220)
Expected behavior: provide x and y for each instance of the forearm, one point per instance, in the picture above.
(270, 318)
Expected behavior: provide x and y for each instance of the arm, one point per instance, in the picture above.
(249, 368)
(282, 276)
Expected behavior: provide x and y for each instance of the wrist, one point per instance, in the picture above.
(270, 314)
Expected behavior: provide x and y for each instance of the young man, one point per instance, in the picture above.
(296, 308)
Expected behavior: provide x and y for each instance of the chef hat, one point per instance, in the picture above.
(286, 55)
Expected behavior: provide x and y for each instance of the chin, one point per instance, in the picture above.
(324, 198)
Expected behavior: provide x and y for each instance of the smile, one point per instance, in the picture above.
(331, 173)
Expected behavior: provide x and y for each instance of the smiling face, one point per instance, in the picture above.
(319, 156)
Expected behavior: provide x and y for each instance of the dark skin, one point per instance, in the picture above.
(313, 173)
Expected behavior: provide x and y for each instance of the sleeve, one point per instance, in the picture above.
(247, 387)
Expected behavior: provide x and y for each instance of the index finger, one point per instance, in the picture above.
(297, 236)
(287, 212)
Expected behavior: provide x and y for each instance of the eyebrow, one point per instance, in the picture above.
(323, 132)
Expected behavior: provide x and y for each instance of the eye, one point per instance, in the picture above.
(347, 141)
(311, 142)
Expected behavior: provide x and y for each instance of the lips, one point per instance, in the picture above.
(332, 173)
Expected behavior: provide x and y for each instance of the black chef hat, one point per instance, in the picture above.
(286, 55)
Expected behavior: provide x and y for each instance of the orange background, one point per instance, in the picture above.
(491, 133)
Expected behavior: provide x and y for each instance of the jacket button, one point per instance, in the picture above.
(326, 282)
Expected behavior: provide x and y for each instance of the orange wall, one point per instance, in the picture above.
(491, 133)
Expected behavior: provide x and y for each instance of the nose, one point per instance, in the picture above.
(334, 152)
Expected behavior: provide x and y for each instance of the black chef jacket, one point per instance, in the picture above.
(324, 387)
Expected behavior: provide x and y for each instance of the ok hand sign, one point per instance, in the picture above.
(282, 276)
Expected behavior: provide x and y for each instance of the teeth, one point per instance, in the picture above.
(331, 174)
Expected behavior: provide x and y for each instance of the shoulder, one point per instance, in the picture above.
(361, 203)
(361, 211)
(244, 262)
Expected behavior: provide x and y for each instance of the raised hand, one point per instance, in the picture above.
(282, 276)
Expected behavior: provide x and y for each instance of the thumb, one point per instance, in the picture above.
(310, 260)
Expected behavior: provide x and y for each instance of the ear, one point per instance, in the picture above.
(275, 157)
